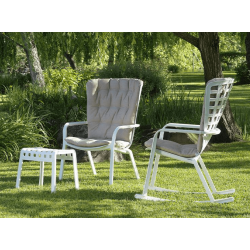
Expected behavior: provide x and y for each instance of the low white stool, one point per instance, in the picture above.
(47, 155)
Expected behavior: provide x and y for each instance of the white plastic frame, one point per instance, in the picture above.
(209, 130)
(110, 147)
(47, 155)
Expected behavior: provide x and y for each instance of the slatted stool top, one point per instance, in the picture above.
(46, 154)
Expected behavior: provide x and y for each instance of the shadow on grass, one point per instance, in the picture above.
(89, 202)
(85, 203)
(243, 146)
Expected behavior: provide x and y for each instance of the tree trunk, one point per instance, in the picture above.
(70, 60)
(209, 49)
(230, 131)
(33, 59)
(247, 42)
(208, 44)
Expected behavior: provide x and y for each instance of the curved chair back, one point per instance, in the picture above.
(111, 103)
(215, 100)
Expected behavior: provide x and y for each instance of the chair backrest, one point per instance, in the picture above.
(215, 100)
(112, 103)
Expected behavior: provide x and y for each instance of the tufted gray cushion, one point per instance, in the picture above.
(81, 142)
(111, 103)
(188, 150)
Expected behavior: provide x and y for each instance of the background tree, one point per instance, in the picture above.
(77, 47)
(208, 45)
(33, 59)
(247, 43)
(24, 40)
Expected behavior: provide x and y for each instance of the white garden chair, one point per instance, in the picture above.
(216, 95)
(112, 106)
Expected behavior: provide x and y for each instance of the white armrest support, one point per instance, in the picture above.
(161, 131)
(180, 125)
(122, 127)
(177, 130)
(186, 131)
(172, 130)
(71, 124)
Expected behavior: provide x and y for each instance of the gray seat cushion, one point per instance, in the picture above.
(188, 150)
(81, 142)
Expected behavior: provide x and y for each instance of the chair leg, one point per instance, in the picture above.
(209, 179)
(53, 175)
(152, 183)
(91, 162)
(201, 176)
(144, 195)
(207, 175)
(62, 164)
(133, 163)
(75, 171)
(18, 179)
(150, 164)
(111, 170)
(203, 180)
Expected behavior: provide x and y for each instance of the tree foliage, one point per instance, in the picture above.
(75, 49)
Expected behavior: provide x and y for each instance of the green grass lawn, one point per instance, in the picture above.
(228, 164)
(194, 84)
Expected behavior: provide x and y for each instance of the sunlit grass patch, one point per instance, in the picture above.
(228, 165)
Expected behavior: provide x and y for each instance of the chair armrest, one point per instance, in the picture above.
(178, 130)
(122, 127)
(66, 125)
(186, 131)
(180, 125)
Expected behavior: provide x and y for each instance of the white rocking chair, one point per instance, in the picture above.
(215, 99)
(112, 106)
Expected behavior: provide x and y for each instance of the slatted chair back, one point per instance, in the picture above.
(215, 100)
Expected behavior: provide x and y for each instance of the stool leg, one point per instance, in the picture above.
(53, 175)
(41, 176)
(75, 171)
(18, 179)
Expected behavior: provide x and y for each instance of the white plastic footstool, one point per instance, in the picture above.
(47, 155)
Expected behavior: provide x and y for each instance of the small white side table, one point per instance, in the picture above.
(47, 155)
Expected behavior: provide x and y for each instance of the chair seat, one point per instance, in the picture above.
(187, 150)
(88, 143)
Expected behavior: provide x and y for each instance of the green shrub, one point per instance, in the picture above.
(174, 106)
(174, 68)
(242, 118)
(55, 106)
(6, 81)
(242, 74)
(63, 78)
(155, 80)
(18, 130)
